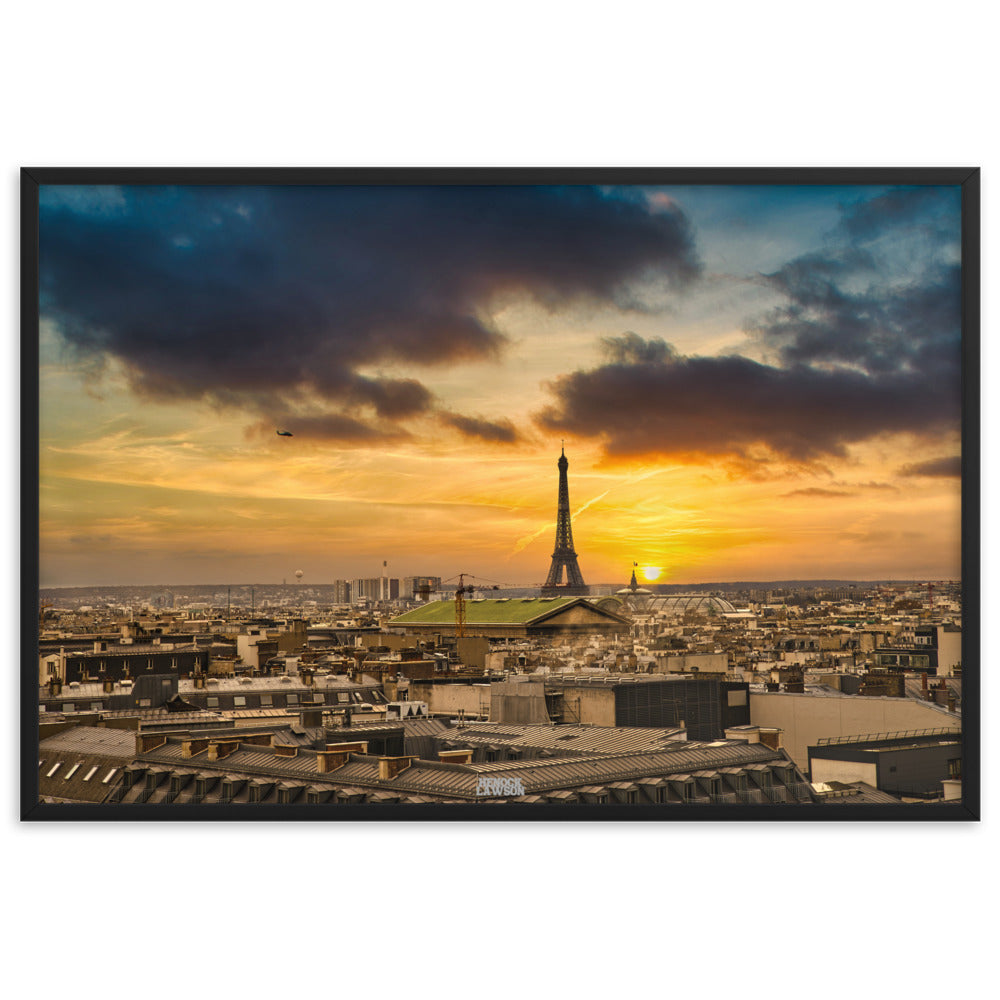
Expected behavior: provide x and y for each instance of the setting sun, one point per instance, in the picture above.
(651, 572)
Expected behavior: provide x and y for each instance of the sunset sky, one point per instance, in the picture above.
(752, 383)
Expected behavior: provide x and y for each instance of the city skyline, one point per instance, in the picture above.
(751, 383)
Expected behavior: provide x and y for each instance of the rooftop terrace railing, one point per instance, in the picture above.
(878, 737)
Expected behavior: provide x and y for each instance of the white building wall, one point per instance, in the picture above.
(805, 718)
(949, 652)
(844, 770)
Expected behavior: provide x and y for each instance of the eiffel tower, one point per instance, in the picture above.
(564, 558)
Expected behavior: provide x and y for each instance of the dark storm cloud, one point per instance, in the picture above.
(912, 208)
(864, 340)
(882, 295)
(875, 328)
(730, 405)
(499, 431)
(227, 293)
(392, 398)
(631, 349)
(938, 467)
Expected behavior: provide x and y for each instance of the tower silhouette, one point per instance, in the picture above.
(564, 558)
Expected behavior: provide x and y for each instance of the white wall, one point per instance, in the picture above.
(949, 652)
(805, 718)
(843, 770)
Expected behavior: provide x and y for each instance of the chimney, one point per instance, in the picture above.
(455, 756)
(311, 718)
(771, 738)
(281, 750)
(191, 748)
(923, 686)
(145, 742)
(358, 747)
(389, 767)
(199, 680)
(222, 749)
(258, 739)
(108, 684)
(330, 760)
(307, 677)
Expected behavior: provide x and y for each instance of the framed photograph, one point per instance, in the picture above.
(515, 494)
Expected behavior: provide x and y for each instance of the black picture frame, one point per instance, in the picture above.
(969, 180)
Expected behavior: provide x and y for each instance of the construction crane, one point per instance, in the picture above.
(461, 591)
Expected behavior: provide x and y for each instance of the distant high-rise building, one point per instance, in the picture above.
(564, 557)
(419, 587)
(366, 589)
(375, 589)
(341, 592)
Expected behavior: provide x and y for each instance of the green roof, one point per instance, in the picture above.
(511, 611)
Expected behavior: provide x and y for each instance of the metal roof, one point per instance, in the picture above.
(568, 740)
(92, 740)
(513, 611)
(461, 781)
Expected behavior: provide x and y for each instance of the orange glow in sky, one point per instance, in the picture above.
(699, 446)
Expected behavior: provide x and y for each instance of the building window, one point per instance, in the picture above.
(239, 701)
(90, 773)
(293, 699)
(212, 701)
(343, 697)
(52, 770)
(266, 701)
(109, 775)
(96, 706)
